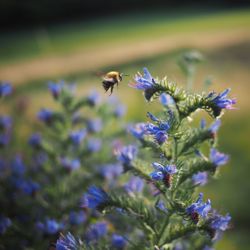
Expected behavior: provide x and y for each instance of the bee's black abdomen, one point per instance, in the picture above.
(106, 85)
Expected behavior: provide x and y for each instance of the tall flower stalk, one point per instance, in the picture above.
(170, 158)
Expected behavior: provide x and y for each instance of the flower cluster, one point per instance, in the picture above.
(162, 200)
(79, 177)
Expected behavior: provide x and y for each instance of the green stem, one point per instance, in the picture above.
(179, 233)
(161, 233)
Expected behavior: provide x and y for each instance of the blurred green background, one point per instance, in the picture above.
(78, 50)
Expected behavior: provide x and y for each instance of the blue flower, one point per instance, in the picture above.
(94, 125)
(138, 130)
(70, 164)
(221, 100)
(94, 145)
(67, 242)
(218, 158)
(29, 187)
(77, 218)
(163, 173)
(94, 198)
(208, 248)
(77, 136)
(126, 155)
(215, 126)
(144, 82)
(161, 206)
(17, 166)
(120, 110)
(118, 241)
(50, 226)
(219, 222)
(96, 231)
(45, 115)
(166, 100)
(5, 122)
(134, 185)
(4, 224)
(55, 88)
(4, 139)
(159, 131)
(200, 178)
(5, 89)
(94, 98)
(35, 140)
(198, 208)
(111, 171)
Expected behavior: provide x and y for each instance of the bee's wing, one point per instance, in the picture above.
(109, 79)
(98, 73)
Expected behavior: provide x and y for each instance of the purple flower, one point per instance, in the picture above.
(134, 185)
(94, 125)
(5, 89)
(94, 198)
(200, 178)
(159, 131)
(17, 166)
(77, 218)
(94, 145)
(218, 158)
(67, 242)
(70, 164)
(45, 115)
(5, 123)
(215, 126)
(163, 173)
(50, 226)
(4, 224)
(208, 248)
(4, 139)
(221, 100)
(166, 100)
(120, 110)
(138, 130)
(161, 206)
(29, 187)
(126, 155)
(94, 98)
(55, 88)
(77, 136)
(118, 241)
(198, 208)
(35, 140)
(111, 171)
(96, 231)
(219, 222)
(143, 82)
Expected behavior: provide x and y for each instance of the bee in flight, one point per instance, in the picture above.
(110, 79)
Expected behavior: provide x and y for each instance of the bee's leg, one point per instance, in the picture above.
(111, 89)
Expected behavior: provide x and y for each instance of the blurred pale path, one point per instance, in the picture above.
(120, 53)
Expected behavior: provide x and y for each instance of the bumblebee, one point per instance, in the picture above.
(110, 79)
